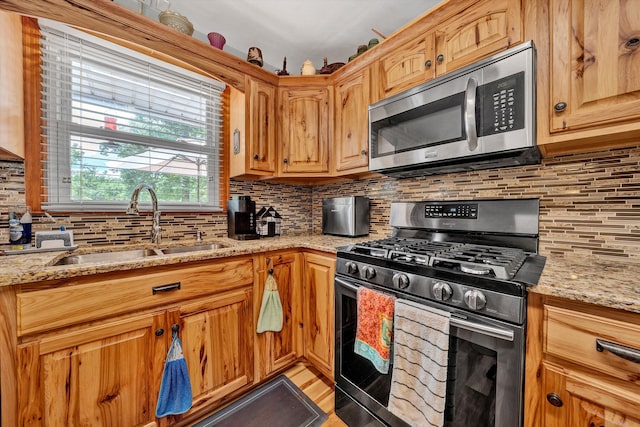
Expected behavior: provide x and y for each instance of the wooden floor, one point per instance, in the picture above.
(319, 389)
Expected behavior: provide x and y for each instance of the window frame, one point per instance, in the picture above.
(35, 181)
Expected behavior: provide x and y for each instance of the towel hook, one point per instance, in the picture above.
(175, 328)
(271, 271)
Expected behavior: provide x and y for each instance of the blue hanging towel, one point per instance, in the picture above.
(175, 389)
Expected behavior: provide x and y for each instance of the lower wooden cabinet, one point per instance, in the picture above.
(319, 311)
(276, 350)
(91, 350)
(100, 375)
(216, 334)
(578, 372)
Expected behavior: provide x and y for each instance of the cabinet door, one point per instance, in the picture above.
(479, 31)
(217, 343)
(407, 66)
(594, 63)
(275, 350)
(11, 95)
(319, 311)
(306, 121)
(103, 375)
(261, 126)
(352, 122)
(574, 400)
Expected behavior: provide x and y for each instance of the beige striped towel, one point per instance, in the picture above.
(419, 375)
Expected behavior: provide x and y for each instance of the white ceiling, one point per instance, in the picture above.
(297, 29)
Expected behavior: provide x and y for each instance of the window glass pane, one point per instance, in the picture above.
(115, 118)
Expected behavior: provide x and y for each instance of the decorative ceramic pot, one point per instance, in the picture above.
(307, 68)
(216, 40)
(255, 56)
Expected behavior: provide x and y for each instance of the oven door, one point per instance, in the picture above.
(485, 374)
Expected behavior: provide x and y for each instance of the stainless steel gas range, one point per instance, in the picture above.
(473, 259)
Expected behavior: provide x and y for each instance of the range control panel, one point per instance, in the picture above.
(465, 211)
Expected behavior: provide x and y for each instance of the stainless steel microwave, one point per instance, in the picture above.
(481, 116)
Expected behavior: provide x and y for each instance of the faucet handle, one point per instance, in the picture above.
(133, 208)
(199, 234)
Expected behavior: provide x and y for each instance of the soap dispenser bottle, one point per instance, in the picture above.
(26, 221)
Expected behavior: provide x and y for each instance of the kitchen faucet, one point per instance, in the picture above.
(133, 210)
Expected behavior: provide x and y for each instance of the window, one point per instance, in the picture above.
(113, 118)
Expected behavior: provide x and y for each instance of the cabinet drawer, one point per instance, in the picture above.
(572, 336)
(111, 295)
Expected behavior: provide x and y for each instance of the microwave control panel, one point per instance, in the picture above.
(502, 105)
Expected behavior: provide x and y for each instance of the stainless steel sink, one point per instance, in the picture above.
(193, 248)
(119, 256)
(107, 256)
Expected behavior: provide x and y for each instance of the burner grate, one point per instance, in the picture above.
(502, 263)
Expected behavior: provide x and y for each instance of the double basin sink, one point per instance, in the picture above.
(134, 254)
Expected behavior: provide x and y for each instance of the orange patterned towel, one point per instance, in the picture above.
(375, 327)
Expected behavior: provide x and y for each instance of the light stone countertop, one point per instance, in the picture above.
(613, 284)
(37, 267)
(585, 279)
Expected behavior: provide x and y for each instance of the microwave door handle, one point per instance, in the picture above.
(470, 113)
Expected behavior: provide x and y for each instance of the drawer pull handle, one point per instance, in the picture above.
(165, 288)
(619, 350)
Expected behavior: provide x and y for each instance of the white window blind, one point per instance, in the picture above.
(114, 118)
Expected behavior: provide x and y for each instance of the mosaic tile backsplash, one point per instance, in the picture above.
(589, 204)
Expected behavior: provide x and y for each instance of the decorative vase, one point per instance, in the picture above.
(308, 69)
(216, 40)
(255, 56)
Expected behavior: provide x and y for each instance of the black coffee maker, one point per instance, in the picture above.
(241, 218)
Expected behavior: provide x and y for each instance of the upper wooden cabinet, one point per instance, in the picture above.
(409, 65)
(481, 30)
(304, 123)
(588, 67)
(594, 63)
(252, 130)
(11, 95)
(351, 140)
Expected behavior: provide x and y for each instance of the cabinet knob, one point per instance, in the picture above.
(363, 152)
(175, 328)
(159, 332)
(554, 399)
(256, 157)
(427, 64)
(560, 107)
(440, 58)
(285, 160)
(632, 42)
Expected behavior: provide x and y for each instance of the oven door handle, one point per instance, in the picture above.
(492, 331)
(345, 284)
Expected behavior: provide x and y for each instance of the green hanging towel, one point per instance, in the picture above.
(270, 318)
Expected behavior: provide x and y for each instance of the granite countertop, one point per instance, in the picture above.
(614, 284)
(585, 279)
(36, 267)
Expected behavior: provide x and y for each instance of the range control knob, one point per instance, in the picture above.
(442, 291)
(475, 300)
(369, 272)
(352, 268)
(400, 281)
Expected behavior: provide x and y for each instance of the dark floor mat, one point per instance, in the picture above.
(276, 403)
